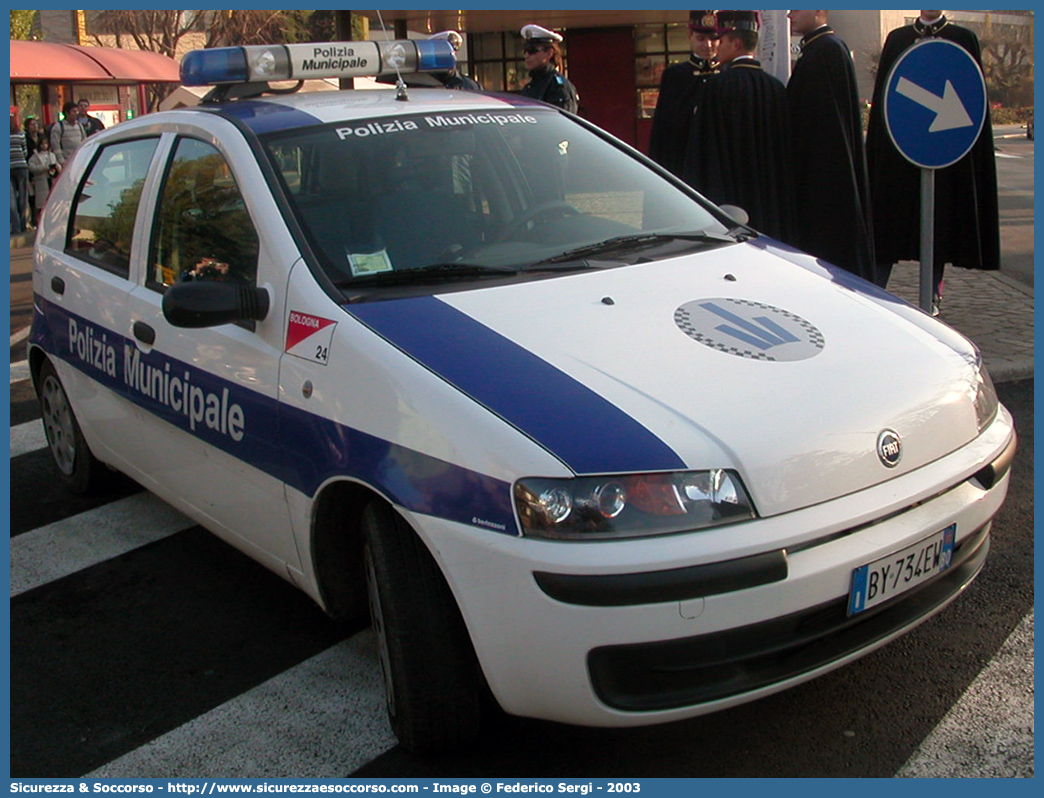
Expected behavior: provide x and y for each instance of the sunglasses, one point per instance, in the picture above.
(529, 49)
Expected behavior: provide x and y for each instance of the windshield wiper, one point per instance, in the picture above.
(436, 272)
(631, 243)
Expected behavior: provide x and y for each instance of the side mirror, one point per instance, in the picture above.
(737, 214)
(205, 303)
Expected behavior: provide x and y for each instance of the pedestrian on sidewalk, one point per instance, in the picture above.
(33, 134)
(739, 142)
(67, 134)
(15, 227)
(19, 176)
(832, 192)
(90, 124)
(44, 169)
(679, 85)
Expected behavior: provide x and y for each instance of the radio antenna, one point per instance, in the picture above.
(400, 84)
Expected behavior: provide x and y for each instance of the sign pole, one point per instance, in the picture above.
(934, 110)
(927, 238)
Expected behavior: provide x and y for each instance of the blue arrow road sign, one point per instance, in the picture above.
(935, 103)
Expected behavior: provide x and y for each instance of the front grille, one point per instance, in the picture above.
(644, 677)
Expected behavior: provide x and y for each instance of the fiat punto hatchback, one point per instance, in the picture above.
(576, 438)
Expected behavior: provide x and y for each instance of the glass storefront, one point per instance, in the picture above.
(496, 61)
(656, 46)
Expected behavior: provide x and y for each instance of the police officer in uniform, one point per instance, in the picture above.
(453, 79)
(678, 88)
(831, 187)
(739, 141)
(543, 58)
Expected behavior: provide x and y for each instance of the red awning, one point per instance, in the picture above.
(35, 61)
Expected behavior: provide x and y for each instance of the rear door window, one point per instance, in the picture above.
(106, 205)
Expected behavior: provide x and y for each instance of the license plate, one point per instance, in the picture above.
(888, 577)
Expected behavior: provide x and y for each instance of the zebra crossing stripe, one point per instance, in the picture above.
(28, 437)
(988, 733)
(323, 718)
(20, 371)
(72, 544)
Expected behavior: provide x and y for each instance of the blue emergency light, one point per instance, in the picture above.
(264, 63)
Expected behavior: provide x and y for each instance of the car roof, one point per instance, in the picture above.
(281, 112)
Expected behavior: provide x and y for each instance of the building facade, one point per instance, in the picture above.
(614, 57)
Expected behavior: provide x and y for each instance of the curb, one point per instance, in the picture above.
(23, 240)
(1011, 282)
(1019, 369)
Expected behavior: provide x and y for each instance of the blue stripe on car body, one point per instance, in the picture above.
(587, 432)
(307, 450)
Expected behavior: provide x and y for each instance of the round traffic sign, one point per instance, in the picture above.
(935, 103)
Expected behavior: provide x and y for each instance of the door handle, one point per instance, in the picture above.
(58, 285)
(144, 333)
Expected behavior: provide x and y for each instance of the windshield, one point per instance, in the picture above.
(461, 195)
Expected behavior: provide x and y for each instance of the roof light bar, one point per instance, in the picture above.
(263, 63)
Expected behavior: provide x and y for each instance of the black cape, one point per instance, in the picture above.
(549, 85)
(739, 146)
(671, 119)
(967, 221)
(831, 189)
(455, 80)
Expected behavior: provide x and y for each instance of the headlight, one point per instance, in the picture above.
(632, 505)
(985, 398)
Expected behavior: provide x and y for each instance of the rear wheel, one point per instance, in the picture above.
(431, 676)
(79, 470)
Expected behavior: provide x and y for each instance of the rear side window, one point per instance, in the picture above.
(106, 205)
(203, 230)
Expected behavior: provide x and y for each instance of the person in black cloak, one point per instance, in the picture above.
(831, 189)
(739, 143)
(542, 52)
(967, 220)
(678, 86)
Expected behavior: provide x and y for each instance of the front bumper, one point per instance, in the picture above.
(678, 673)
(623, 633)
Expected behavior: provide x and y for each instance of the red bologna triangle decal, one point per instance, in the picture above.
(309, 337)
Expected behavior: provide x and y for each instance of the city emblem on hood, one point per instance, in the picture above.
(749, 329)
(889, 448)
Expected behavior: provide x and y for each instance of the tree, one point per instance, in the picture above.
(159, 31)
(171, 31)
(1007, 61)
(1007, 64)
(22, 24)
(165, 31)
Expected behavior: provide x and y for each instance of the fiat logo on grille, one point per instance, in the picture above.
(889, 448)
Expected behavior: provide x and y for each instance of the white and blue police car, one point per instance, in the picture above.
(575, 437)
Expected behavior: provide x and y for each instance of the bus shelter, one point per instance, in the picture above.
(46, 75)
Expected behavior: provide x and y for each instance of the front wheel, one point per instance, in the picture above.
(431, 675)
(79, 470)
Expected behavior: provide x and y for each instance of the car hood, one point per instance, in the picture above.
(741, 357)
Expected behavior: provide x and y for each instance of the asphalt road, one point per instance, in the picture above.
(1015, 198)
(181, 657)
